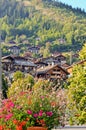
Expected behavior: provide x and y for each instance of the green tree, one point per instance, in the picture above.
(82, 53)
(18, 75)
(46, 52)
(77, 95)
(29, 81)
(4, 86)
(41, 50)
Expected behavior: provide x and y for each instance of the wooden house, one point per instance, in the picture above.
(65, 66)
(40, 64)
(52, 72)
(14, 63)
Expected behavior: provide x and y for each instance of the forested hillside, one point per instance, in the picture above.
(42, 21)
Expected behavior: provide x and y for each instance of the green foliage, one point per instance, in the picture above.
(77, 95)
(21, 83)
(4, 86)
(32, 108)
(46, 51)
(41, 84)
(48, 20)
(29, 81)
(18, 75)
(82, 53)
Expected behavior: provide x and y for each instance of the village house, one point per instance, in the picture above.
(15, 50)
(40, 64)
(38, 39)
(65, 66)
(61, 40)
(52, 72)
(11, 42)
(12, 63)
(55, 59)
(34, 49)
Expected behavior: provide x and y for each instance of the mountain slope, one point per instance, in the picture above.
(46, 20)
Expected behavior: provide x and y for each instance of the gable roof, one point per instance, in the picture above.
(48, 68)
(8, 57)
(69, 69)
(25, 62)
(77, 63)
(14, 47)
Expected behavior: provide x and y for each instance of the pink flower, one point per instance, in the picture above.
(18, 107)
(7, 117)
(29, 112)
(42, 97)
(49, 113)
(1, 116)
(40, 113)
(35, 115)
(11, 104)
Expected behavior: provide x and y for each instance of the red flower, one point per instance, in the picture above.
(15, 122)
(1, 127)
(42, 122)
(23, 123)
(19, 127)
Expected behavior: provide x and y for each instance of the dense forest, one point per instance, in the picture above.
(42, 21)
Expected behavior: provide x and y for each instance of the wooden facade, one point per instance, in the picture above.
(14, 63)
(52, 72)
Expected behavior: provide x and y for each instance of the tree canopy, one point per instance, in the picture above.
(50, 21)
(77, 95)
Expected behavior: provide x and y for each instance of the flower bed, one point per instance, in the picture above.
(32, 108)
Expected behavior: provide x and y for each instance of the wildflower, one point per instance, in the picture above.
(49, 113)
(35, 115)
(7, 117)
(53, 104)
(19, 127)
(40, 113)
(29, 112)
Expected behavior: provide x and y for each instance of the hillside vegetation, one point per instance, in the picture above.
(42, 21)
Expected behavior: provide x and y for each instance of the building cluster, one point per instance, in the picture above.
(53, 68)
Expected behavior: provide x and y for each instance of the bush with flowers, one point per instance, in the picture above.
(31, 108)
